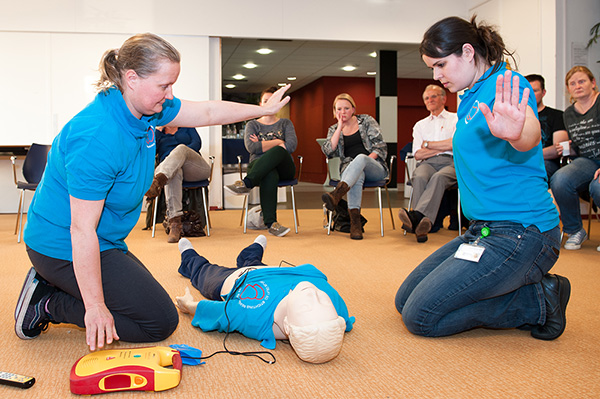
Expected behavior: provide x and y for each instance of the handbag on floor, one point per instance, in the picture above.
(341, 218)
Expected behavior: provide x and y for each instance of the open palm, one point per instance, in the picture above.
(507, 119)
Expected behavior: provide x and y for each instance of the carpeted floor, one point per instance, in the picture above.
(380, 358)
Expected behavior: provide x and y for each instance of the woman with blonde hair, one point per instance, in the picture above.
(582, 121)
(90, 198)
(357, 141)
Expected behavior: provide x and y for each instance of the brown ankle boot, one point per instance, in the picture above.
(157, 184)
(331, 199)
(175, 229)
(355, 224)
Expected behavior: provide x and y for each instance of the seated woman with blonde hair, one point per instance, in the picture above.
(357, 141)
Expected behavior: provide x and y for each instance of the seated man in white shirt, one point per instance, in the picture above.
(432, 148)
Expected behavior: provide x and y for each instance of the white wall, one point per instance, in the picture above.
(52, 48)
(575, 19)
(362, 20)
(529, 29)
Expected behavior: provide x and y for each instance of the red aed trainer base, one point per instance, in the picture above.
(154, 368)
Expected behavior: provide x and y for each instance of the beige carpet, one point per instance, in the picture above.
(380, 359)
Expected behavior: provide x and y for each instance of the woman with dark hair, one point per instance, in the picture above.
(582, 121)
(496, 274)
(90, 198)
(270, 140)
(357, 141)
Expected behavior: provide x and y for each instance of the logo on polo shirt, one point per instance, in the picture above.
(150, 137)
(472, 112)
(254, 295)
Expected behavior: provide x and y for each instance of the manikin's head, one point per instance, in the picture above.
(315, 330)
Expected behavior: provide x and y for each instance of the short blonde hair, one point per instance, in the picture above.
(318, 343)
(343, 96)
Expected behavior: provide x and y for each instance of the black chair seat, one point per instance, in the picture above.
(21, 185)
(285, 183)
(195, 184)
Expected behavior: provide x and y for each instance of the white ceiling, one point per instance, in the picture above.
(308, 61)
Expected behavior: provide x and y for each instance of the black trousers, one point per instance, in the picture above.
(141, 308)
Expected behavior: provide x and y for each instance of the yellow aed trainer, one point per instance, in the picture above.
(156, 368)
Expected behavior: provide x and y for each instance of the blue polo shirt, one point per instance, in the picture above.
(103, 153)
(251, 307)
(497, 182)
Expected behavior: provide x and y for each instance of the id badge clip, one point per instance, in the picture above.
(472, 251)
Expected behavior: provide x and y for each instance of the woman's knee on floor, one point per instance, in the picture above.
(162, 323)
(414, 318)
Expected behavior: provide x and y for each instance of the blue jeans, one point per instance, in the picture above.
(362, 168)
(567, 183)
(445, 295)
(552, 165)
(207, 277)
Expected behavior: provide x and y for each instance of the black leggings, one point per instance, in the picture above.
(141, 308)
(274, 165)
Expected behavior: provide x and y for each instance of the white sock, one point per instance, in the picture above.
(184, 244)
(262, 240)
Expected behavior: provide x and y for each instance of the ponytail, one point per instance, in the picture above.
(447, 37)
(142, 53)
(109, 73)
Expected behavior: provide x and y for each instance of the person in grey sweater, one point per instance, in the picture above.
(270, 142)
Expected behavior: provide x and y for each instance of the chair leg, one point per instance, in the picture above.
(205, 203)
(19, 211)
(245, 213)
(243, 207)
(329, 224)
(458, 212)
(154, 211)
(380, 210)
(387, 193)
(409, 204)
(20, 215)
(590, 210)
(295, 210)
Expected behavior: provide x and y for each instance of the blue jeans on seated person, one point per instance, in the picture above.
(567, 183)
(445, 295)
(362, 168)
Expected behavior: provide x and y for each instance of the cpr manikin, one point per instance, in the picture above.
(266, 303)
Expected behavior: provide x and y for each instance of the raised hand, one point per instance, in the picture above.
(276, 101)
(507, 119)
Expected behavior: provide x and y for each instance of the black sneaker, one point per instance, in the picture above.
(30, 316)
(557, 291)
